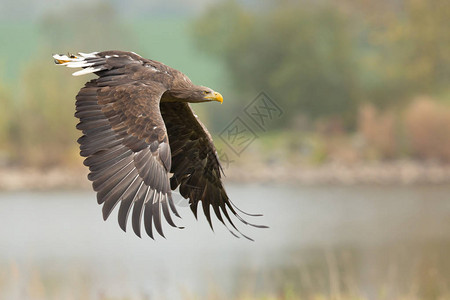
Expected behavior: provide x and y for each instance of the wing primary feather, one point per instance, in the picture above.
(110, 178)
(125, 206)
(156, 209)
(172, 206)
(87, 113)
(90, 145)
(241, 219)
(95, 130)
(88, 106)
(219, 216)
(148, 215)
(92, 125)
(97, 146)
(245, 213)
(193, 206)
(111, 199)
(217, 212)
(106, 156)
(165, 209)
(138, 209)
(122, 191)
(106, 165)
(83, 140)
(94, 136)
(86, 99)
(224, 210)
(206, 211)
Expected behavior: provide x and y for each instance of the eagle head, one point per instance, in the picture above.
(204, 94)
(192, 94)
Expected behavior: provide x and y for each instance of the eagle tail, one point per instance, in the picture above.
(90, 62)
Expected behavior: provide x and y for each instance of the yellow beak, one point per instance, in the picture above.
(215, 97)
(218, 97)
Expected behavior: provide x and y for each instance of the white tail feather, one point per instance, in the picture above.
(86, 71)
(77, 64)
(80, 61)
(93, 54)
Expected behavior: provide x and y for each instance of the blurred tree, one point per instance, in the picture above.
(301, 56)
(323, 60)
(404, 49)
(428, 127)
(43, 130)
(425, 40)
(85, 28)
(5, 121)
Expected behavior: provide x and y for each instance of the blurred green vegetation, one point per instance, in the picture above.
(37, 127)
(349, 75)
(323, 60)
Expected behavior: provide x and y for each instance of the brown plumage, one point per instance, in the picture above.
(138, 129)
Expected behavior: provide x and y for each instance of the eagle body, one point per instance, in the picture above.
(141, 140)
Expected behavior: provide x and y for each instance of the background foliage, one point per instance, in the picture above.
(376, 73)
(325, 60)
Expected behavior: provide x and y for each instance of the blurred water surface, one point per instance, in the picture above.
(321, 239)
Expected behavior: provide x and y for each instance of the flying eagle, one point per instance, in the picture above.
(142, 140)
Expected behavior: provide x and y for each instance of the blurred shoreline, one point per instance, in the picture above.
(400, 172)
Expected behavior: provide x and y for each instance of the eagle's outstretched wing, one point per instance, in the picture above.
(196, 167)
(125, 141)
